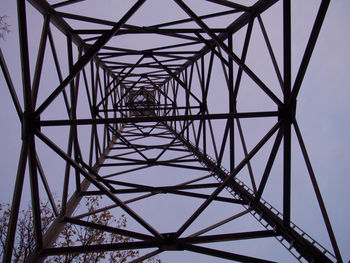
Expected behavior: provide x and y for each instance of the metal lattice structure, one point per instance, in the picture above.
(169, 95)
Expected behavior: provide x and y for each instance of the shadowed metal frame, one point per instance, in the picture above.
(184, 123)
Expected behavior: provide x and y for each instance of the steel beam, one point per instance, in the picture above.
(287, 108)
(158, 118)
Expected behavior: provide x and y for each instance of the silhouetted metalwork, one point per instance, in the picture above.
(155, 106)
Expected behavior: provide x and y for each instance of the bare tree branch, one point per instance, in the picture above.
(4, 27)
(71, 235)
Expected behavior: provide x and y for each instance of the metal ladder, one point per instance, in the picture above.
(266, 225)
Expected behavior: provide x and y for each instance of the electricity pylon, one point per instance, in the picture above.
(155, 98)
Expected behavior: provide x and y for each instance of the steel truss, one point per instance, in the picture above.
(153, 107)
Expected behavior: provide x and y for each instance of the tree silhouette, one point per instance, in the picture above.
(71, 235)
(4, 27)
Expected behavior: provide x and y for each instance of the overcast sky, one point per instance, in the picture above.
(322, 111)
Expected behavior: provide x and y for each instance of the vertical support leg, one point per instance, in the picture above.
(287, 111)
(232, 106)
(28, 148)
(16, 201)
(204, 105)
(73, 97)
(34, 187)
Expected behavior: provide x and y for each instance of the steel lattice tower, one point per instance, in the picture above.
(137, 97)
